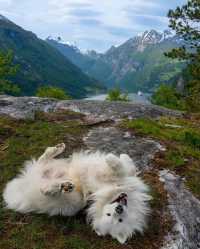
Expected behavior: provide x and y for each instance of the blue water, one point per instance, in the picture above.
(133, 97)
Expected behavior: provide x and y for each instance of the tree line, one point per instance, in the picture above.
(185, 21)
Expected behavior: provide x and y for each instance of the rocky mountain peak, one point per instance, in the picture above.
(151, 37)
(154, 37)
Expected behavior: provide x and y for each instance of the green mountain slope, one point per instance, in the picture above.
(138, 64)
(40, 64)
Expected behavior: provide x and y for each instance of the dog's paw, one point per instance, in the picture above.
(51, 190)
(98, 233)
(67, 187)
(59, 148)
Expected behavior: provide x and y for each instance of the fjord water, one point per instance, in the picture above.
(133, 97)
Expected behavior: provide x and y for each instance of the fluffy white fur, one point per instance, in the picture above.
(121, 226)
(39, 187)
(64, 186)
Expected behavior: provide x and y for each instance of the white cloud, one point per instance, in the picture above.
(93, 24)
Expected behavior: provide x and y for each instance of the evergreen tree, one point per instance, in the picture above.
(7, 69)
(185, 21)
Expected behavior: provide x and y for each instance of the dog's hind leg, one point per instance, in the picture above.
(128, 165)
(51, 152)
(115, 164)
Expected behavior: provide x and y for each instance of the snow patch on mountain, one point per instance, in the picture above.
(154, 37)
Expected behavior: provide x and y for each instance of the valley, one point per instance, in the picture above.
(137, 64)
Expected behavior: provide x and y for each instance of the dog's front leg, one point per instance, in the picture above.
(51, 152)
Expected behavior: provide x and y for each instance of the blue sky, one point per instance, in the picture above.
(90, 24)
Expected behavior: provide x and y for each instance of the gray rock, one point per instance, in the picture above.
(25, 107)
(113, 140)
(116, 110)
(185, 209)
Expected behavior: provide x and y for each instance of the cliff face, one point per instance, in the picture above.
(101, 122)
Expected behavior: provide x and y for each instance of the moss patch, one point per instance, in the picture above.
(181, 137)
(19, 141)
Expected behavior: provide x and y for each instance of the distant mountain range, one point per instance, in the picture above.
(41, 64)
(138, 64)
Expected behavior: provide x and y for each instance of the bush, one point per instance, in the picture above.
(168, 97)
(116, 95)
(9, 88)
(192, 139)
(52, 92)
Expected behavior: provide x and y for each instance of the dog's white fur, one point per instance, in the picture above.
(43, 187)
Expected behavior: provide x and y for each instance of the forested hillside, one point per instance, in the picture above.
(40, 64)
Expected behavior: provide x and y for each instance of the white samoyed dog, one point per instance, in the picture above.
(118, 197)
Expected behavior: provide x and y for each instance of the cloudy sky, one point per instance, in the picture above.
(90, 24)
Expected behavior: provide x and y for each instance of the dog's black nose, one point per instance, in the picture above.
(119, 209)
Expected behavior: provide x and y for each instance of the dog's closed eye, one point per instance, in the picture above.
(108, 214)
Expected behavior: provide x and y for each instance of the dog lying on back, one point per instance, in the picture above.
(119, 199)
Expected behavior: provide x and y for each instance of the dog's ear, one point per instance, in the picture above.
(121, 238)
(113, 161)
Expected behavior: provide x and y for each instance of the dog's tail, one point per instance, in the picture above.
(17, 190)
(13, 194)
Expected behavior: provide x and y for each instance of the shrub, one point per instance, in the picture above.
(192, 139)
(168, 97)
(116, 95)
(52, 92)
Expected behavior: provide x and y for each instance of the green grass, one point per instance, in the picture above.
(21, 140)
(75, 242)
(182, 142)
